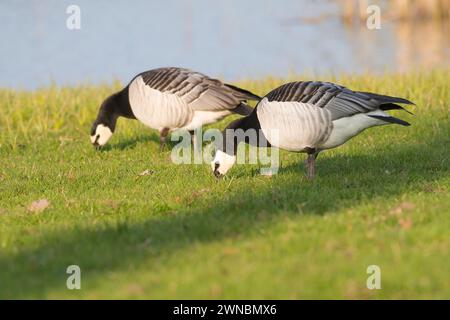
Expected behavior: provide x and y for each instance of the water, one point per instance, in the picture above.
(232, 39)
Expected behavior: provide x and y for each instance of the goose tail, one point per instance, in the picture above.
(390, 119)
(389, 102)
(242, 93)
(243, 109)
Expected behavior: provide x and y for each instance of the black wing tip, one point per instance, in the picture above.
(387, 99)
(393, 106)
(404, 101)
(391, 120)
(243, 109)
(248, 95)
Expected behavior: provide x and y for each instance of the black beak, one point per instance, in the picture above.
(217, 174)
(96, 145)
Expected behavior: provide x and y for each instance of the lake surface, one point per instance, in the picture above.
(232, 39)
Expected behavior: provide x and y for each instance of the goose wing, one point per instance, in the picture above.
(338, 100)
(197, 90)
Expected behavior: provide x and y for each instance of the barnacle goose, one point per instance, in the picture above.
(168, 99)
(308, 117)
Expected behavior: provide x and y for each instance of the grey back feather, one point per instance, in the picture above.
(199, 91)
(340, 101)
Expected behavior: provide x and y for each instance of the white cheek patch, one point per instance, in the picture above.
(103, 133)
(224, 160)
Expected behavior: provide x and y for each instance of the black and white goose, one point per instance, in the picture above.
(307, 117)
(168, 99)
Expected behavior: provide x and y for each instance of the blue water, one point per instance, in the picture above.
(232, 39)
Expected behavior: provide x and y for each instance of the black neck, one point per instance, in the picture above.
(115, 106)
(122, 104)
(231, 138)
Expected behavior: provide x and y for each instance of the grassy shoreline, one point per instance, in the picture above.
(382, 199)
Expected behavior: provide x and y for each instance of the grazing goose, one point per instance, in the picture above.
(307, 117)
(168, 99)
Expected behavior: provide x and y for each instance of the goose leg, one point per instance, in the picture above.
(192, 133)
(162, 138)
(311, 164)
(194, 141)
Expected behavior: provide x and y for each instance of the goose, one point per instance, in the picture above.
(168, 99)
(308, 117)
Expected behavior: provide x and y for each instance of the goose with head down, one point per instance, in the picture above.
(307, 117)
(168, 99)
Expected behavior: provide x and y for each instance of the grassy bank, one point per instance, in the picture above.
(381, 199)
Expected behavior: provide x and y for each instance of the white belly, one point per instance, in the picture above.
(346, 128)
(202, 118)
(157, 109)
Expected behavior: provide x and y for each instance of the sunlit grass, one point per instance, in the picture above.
(381, 199)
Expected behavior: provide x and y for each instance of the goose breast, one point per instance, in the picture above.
(293, 125)
(158, 109)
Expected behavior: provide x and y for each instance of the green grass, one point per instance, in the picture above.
(383, 199)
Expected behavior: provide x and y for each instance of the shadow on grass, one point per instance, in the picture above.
(130, 143)
(342, 182)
